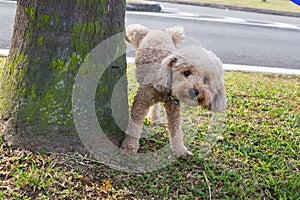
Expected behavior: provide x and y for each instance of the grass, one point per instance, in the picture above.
(259, 157)
(283, 5)
(2, 62)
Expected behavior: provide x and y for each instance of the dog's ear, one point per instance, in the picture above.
(163, 77)
(170, 61)
(219, 103)
(177, 34)
(135, 33)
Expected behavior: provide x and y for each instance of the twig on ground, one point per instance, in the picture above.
(208, 185)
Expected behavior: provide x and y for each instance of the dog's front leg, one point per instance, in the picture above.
(144, 98)
(175, 132)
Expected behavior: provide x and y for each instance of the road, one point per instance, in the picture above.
(236, 37)
(7, 16)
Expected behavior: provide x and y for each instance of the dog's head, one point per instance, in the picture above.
(196, 78)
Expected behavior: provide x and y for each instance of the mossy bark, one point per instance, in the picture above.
(50, 41)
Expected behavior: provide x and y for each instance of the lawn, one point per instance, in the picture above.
(2, 62)
(258, 157)
(283, 5)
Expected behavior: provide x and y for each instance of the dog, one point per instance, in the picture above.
(172, 75)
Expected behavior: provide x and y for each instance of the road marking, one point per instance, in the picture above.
(248, 68)
(208, 18)
(187, 14)
(284, 25)
(167, 10)
(227, 67)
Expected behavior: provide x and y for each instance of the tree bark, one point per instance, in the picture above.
(51, 39)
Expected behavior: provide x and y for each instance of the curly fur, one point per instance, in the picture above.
(192, 75)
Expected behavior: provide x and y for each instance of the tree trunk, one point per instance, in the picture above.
(51, 39)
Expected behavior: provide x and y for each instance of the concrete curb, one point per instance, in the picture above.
(4, 52)
(8, 1)
(232, 7)
(144, 7)
(248, 68)
(261, 69)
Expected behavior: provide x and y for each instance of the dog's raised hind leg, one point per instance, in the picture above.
(154, 114)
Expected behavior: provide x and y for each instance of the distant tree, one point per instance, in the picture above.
(51, 38)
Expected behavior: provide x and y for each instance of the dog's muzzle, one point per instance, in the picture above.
(200, 95)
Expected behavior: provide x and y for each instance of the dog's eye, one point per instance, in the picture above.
(187, 73)
(205, 80)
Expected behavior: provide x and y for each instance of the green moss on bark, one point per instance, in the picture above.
(40, 40)
(31, 12)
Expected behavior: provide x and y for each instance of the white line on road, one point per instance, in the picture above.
(187, 14)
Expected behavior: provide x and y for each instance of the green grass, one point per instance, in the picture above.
(2, 62)
(283, 5)
(259, 157)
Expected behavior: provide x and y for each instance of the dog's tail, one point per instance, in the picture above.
(177, 34)
(135, 34)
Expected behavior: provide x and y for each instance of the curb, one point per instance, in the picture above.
(144, 7)
(261, 69)
(8, 1)
(232, 7)
(4, 52)
(248, 68)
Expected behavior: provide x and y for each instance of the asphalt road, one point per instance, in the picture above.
(7, 16)
(236, 37)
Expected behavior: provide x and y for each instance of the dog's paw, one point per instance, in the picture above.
(157, 122)
(130, 145)
(128, 151)
(129, 148)
(182, 152)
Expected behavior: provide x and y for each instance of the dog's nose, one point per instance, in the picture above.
(193, 92)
